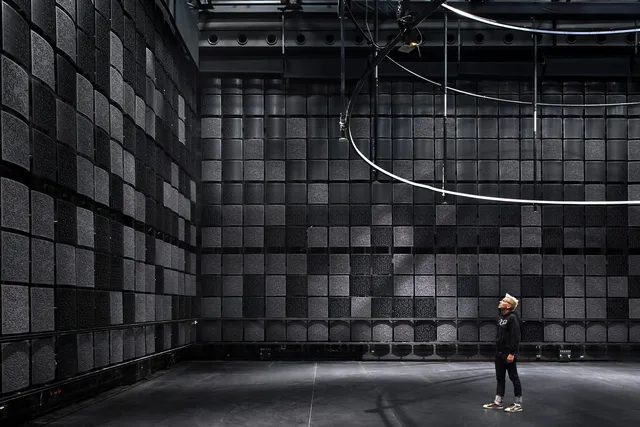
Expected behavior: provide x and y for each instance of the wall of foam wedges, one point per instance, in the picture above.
(301, 242)
(99, 134)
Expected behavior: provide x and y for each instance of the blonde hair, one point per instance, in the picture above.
(512, 300)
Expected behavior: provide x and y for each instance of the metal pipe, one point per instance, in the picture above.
(493, 23)
(376, 87)
(343, 87)
(534, 37)
(446, 78)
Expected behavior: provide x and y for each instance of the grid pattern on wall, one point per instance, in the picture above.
(302, 242)
(98, 237)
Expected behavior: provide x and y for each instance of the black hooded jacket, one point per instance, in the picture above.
(508, 336)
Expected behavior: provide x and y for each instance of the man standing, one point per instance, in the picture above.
(507, 340)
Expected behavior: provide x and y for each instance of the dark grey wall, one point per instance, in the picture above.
(300, 244)
(98, 170)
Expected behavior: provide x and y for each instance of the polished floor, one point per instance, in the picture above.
(371, 394)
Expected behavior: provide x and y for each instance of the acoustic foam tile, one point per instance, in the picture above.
(15, 258)
(446, 307)
(596, 286)
(85, 228)
(43, 361)
(65, 33)
(85, 177)
(15, 87)
(85, 264)
(14, 205)
(15, 366)
(102, 111)
(85, 102)
(65, 264)
(553, 332)
(42, 310)
(618, 287)
(15, 35)
(467, 307)
(15, 141)
(84, 136)
(116, 308)
(101, 186)
(446, 331)
(596, 332)
(575, 332)
(15, 309)
(129, 203)
(42, 264)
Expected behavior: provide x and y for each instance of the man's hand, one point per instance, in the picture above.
(510, 358)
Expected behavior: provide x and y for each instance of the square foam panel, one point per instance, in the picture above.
(554, 332)
(446, 331)
(85, 224)
(101, 186)
(15, 87)
(15, 309)
(575, 332)
(65, 33)
(86, 308)
(42, 310)
(467, 307)
(15, 35)
(66, 84)
(85, 177)
(15, 141)
(43, 361)
(85, 352)
(85, 268)
(42, 262)
(15, 258)
(15, 366)
(65, 264)
(101, 348)
(66, 309)
(596, 332)
(403, 331)
(84, 96)
(553, 308)
(14, 205)
(67, 223)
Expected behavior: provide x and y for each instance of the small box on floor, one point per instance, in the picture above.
(564, 355)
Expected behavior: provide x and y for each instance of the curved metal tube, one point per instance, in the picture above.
(486, 198)
(347, 124)
(493, 23)
(511, 101)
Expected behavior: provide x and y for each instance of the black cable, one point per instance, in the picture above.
(421, 16)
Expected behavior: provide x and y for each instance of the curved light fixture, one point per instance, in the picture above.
(346, 134)
(486, 198)
(535, 30)
(509, 101)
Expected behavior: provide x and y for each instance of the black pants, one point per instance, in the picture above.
(502, 367)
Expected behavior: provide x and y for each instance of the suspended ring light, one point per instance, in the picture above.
(536, 30)
(506, 100)
(347, 134)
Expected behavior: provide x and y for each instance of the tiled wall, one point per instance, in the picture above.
(98, 170)
(300, 243)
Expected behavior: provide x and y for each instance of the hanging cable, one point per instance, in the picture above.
(534, 37)
(343, 79)
(428, 10)
(493, 23)
(446, 77)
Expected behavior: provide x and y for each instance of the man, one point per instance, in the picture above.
(507, 340)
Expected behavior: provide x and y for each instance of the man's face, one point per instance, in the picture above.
(504, 304)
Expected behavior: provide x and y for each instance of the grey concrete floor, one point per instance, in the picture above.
(371, 394)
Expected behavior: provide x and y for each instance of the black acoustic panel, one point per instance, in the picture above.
(15, 140)
(103, 234)
(14, 205)
(15, 366)
(86, 56)
(86, 308)
(43, 363)
(117, 18)
(65, 33)
(44, 108)
(15, 87)
(86, 16)
(66, 231)
(66, 124)
(16, 36)
(67, 365)
(66, 309)
(43, 15)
